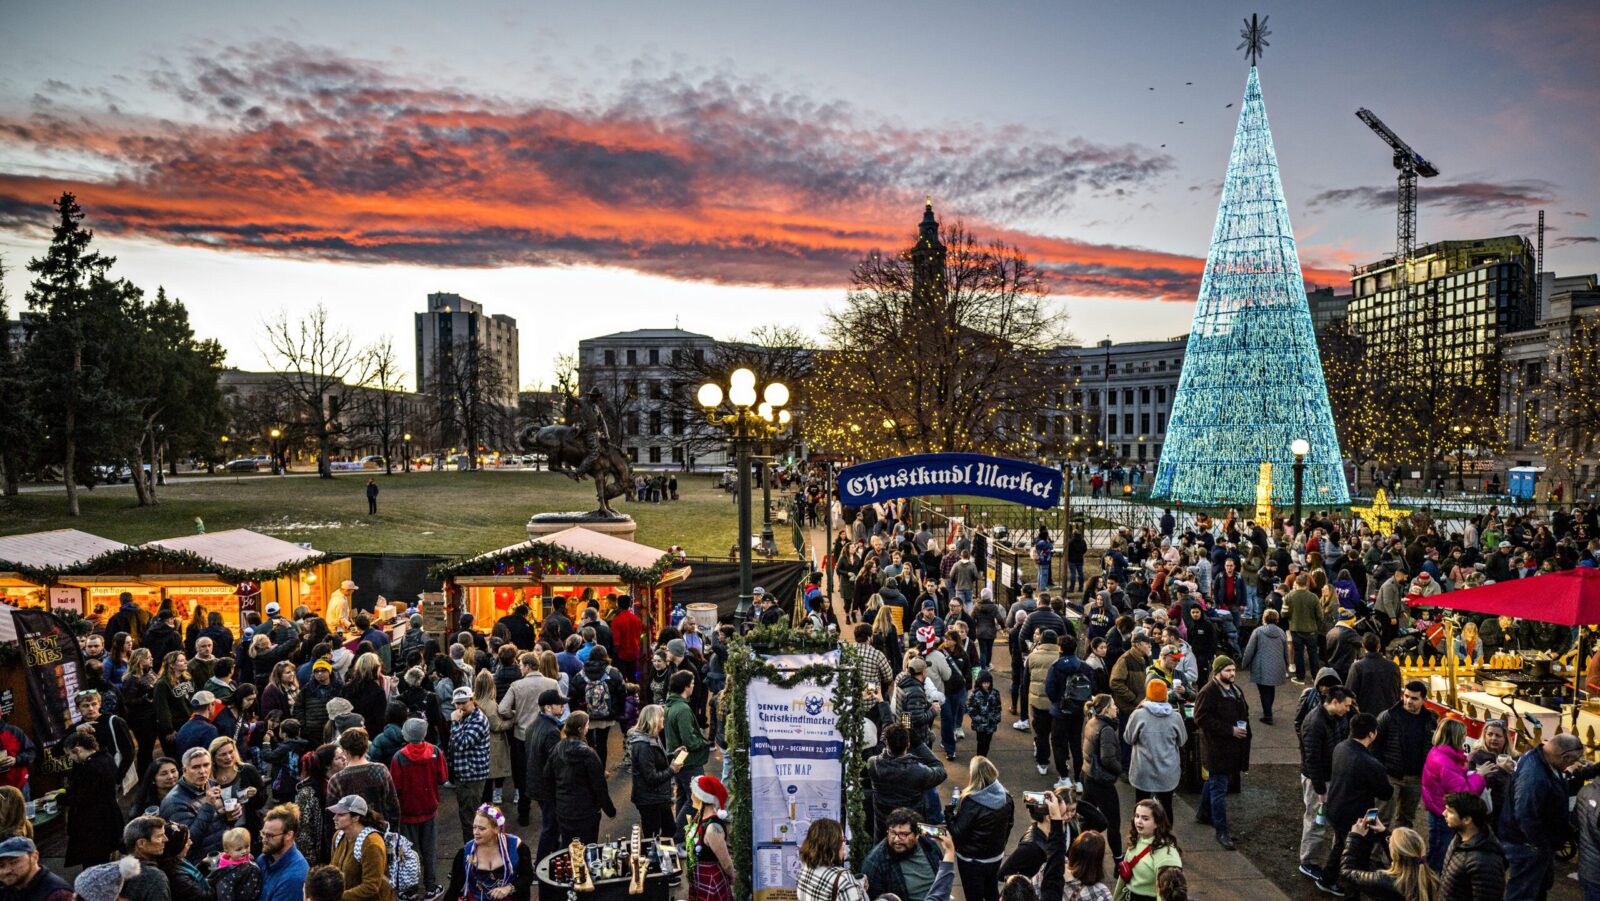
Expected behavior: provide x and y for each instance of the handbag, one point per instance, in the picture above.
(1125, 869)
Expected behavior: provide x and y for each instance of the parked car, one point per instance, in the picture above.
(116, 474)
(244, 464)
(372, 461)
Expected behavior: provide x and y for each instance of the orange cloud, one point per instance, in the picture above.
(312, 156)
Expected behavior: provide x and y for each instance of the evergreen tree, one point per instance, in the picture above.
(15, 425)
(71, 364)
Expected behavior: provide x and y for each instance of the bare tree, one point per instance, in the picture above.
(1564, 404)
(379, 408)
(937, 352)
(470, 389)
(312, 359)
(775, 353)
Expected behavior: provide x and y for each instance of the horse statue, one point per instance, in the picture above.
(567, 447)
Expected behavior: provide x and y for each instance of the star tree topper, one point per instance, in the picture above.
(1380, 515)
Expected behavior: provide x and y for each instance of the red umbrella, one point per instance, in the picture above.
(1567, 598)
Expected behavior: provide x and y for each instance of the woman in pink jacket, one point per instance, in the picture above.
(1444, 773)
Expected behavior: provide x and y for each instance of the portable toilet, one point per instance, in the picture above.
(1523, 481)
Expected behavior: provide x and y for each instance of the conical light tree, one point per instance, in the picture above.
(1252, 381)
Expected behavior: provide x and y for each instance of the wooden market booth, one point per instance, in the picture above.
(29, 565)
(565, 568)
(237, 570)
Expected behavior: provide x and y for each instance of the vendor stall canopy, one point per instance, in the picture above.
(58, 550)
(1567, 598)
(576, 551)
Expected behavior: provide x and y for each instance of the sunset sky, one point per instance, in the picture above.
(603, 166)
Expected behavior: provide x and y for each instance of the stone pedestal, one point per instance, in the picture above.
(550, 523)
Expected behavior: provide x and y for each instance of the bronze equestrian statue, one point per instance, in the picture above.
(583, 448)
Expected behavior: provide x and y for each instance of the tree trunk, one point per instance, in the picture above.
(136, 472)
(10, 476)
(69, 475)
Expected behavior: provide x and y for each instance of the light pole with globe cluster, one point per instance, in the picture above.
(747, 426)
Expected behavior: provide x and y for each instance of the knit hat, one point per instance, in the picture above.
(710, 790)
(322, 663)
(104, 882)
(1222, 662)
(338, 707)
(551, 696)
(414, 730)
(1155, 690)
(677, 648)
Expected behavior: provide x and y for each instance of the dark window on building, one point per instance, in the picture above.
(633, 454)
(1127, 396)
(655, 454)
(655, 426)
(633, 357)
(677, 455)
(1144, 423)
(1127, 423)
(1161, 395)
(611, 358)
(1111, 425)
(1077, 424)
(1161, 423)
(1144, 395)
(630, 427)
(655, 359)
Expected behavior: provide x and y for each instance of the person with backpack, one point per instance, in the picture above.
(359, 852)
(418, 770)
(600, 692)
(493, 860)
(236, 876)
(1068, 685)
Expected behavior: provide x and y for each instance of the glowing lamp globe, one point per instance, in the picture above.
(710, 395)
(1300, 447)
(776, 394)
(742, 378)
(765, 411)
(783, 417)
(742, 395)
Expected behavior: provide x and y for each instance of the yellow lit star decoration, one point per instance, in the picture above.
(1264, 493)
(1380, 515)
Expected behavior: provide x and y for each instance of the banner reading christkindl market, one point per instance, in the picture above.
(795, 773)
(924, 474)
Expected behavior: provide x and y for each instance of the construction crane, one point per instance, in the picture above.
(1411, 164)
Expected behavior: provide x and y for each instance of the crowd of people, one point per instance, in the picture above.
(310, 756)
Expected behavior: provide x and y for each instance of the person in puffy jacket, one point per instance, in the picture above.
(980, 823)
(1156, 734)
(1102, 764)
(1443, 773)
(1474, 863)
(901, 776)
(911, 701)
(652, 772)
(983, 709)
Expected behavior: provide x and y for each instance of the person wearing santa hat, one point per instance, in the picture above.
(710, 867)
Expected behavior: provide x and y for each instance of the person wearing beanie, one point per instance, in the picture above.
(104, 882)
(418, 770)
(710, 865)
(1155, 735)
(1222, 717)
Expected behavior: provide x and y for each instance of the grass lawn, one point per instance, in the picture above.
(424, 512)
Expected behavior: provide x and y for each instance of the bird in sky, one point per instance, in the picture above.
(1188, 82)
(1229, 106)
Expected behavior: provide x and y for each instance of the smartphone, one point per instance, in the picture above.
(932, 831)
(1035, 799)
(680, 755)
(1372, 816)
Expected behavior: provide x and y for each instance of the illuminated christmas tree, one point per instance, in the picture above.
(1252, 382)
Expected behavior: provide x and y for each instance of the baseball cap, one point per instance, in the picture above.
(916, 665)
(202, 699)
(18, 845)
(348, 585)
(1505, 545)
(461, 696)
(350, 804)
(550, 696)
(272, 608)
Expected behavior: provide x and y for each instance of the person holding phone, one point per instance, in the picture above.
(1407, 878)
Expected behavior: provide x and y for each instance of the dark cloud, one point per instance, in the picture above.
(1455, 199)
(1570, 240)
(308, 154)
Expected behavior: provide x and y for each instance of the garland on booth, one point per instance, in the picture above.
(122, 560)
(745, 664)
(522, 558)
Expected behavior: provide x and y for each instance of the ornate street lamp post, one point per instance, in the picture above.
(747, 426)
(277, 459)
(1300, 447)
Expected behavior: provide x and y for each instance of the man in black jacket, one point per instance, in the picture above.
(1358, 781)
(1324, 727)
(1405, 735)
(901, 776)
(1374, 679)
(542, 740)
(1474, 863)
(162, 637)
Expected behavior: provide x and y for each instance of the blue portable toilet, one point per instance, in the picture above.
(1523, 481)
